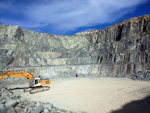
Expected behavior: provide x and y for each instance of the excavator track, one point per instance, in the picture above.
(39, 89)
(27, 89)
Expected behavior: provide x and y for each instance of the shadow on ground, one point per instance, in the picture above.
(19, 88)
(139, 106)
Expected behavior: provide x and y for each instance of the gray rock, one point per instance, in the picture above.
(11, 103)
(46, 111)
(1, 106)
(39, 109)
(54, 111)
(4, 110)
(11, 110)
(19, 109)
(31, 104)
(30, 109)
(48, 106)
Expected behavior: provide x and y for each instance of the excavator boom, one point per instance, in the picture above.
(11, 73)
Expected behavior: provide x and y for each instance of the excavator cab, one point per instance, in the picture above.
(37, 82)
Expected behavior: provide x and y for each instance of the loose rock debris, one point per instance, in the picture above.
(11, 103)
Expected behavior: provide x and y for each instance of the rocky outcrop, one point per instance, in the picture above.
(119, 50)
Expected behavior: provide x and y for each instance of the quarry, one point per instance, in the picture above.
(99, 71)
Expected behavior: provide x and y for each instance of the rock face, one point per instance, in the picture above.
(119, 50)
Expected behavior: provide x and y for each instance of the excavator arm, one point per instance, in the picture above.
(11, 73)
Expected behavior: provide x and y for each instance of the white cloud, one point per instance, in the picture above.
(67, 15)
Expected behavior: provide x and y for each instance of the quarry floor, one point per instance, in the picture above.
(92, 95)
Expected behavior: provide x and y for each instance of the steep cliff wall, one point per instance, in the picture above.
(118, 50)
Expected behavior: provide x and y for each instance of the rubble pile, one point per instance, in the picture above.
(143, 76)
(11, 103)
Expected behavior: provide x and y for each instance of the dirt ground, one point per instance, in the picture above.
(92, 95)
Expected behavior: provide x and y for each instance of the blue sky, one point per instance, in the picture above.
(67, 17)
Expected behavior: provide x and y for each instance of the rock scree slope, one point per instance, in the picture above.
(120, 50)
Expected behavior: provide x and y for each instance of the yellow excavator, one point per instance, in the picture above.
(35, 84)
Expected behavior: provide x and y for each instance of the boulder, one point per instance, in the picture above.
(48, 106)
(46, 111)
(11, 110)
(39, 109)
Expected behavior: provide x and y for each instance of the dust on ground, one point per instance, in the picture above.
(92, 95)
